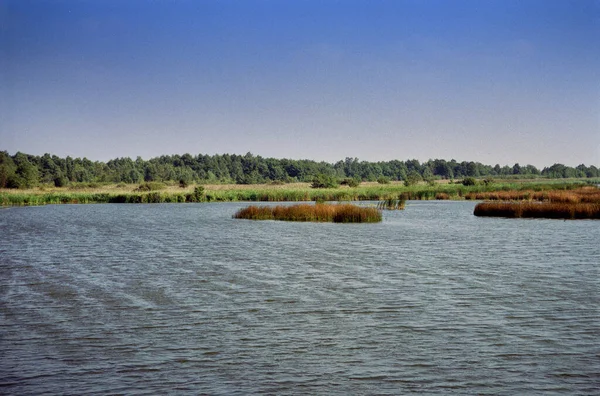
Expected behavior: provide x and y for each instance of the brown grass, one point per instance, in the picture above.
(500, 195)
(341, 213)
(548, 210)
(579, 195)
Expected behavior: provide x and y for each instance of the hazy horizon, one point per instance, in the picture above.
(496, 82)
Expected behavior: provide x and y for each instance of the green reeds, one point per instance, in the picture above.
(392, 204)
(546, 210)
(88, 198)
(544, 191)
(340, 213)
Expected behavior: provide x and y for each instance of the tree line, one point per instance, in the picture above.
(25, 171)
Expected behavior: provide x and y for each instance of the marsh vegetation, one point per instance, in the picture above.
(336, 213)
(391, 203)
(174, 193)
(525, 209)
(580, 203)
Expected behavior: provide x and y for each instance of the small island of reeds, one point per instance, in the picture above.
(336, 213)
(567, 211)
(392, 204)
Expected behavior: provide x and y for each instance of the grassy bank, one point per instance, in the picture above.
(342, 213)
(275, 193)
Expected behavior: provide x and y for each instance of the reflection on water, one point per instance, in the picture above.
(149, 299)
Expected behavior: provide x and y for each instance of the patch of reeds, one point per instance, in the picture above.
(54, 198)
(511, 195)
(544, 191)
(548, 210)
(391, 203)
(578, 195)
(340, 213)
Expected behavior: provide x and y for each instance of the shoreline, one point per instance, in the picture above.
(295, 192)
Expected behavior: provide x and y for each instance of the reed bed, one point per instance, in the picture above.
(340, 213)
(578, 195)
(121, 193)
(548, 210)
(392, 204)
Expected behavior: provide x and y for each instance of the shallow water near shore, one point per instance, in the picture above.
(181, 298)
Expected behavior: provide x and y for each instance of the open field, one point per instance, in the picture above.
(129, 193)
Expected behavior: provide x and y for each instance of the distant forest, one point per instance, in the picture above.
(26, 171)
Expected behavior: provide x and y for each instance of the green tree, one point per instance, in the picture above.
(60, 180)
(27, 175)
(324, 181)
(516, 169)
(7, 170)
(469, 181)
(428, 175)
(412, 178)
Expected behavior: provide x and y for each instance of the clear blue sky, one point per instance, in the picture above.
(491, 81)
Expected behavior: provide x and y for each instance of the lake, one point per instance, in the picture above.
(183, 299)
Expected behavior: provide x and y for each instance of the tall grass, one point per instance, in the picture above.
(391, 203)
(151, 186)
(543, 190)
(549, 210)
(340, 213)
(578, 195)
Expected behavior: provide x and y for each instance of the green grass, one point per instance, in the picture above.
(151, 186)
(273, 193)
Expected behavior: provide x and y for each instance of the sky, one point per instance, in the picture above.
(493, 81)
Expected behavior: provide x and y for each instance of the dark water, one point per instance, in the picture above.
(182, 299)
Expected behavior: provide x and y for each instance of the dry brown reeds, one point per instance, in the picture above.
(548, 210)
(341, 213)
(512, 195)
(579, 195)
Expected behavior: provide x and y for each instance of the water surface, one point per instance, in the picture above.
(181, 298)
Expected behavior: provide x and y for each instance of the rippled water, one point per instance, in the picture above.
(152, 299)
